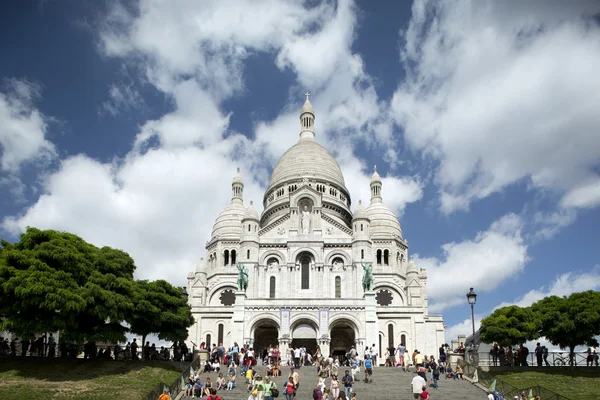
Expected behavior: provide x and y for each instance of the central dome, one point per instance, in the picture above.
(307, 159)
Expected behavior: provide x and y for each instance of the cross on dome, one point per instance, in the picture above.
(307, 95)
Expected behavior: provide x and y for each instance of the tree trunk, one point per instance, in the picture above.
(143, 347)
(572, 357)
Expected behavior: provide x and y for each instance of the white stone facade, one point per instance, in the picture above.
(305, 257)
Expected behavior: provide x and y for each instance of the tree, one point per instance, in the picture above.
(571, 321)
(510, 326)
(160, 308)
(53, 281)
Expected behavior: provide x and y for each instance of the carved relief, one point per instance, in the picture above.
(329, 230)
(281, 230)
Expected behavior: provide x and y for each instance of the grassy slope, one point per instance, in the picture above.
(576, 385)
(81, 380)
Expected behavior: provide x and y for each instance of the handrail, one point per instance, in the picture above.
(485, 379)
(177, 385)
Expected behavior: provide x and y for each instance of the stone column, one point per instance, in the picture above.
(237, 331)
(371, 331)
(284, 348)
(324, 343)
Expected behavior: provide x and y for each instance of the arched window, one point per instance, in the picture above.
(338, 287)
(361, 227)
(208, 343)
(248, 254)
(378, 257)
(249, 227)
(403, 340)
(305, 271)
(390, 335)
(362, 254)
(386, 257)
(220, 334)
(226, 257)
(272, 288)
(233, 257)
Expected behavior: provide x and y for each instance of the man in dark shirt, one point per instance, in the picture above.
(392, 351)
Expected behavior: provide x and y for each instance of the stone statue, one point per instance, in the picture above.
(305, 221)
(367, 277)
(242, 279)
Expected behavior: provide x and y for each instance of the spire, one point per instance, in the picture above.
(237, 188)
(375, 186)
(307, 120)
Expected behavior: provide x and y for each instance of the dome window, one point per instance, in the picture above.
(233, 257)
(386, 257)
(379, 257)
(226, 257)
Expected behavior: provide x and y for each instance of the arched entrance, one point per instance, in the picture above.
(304, 334)
(343, 337)
(266, 333)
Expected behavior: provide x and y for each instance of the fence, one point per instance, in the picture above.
(509, 391)
(177, 385)
(554, 359)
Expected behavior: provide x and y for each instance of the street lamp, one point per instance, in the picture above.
(472, 298)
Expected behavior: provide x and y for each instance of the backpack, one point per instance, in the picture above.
(497, 395)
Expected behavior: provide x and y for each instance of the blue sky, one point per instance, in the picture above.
(124, 122)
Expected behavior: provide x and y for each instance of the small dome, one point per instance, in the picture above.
(307, 107)
(229, 222)
(383, 221)
(238, 178)
(360, 212)
(375, 178)
(412, 267)
(251, 212)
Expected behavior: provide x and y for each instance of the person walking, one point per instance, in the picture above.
(347, 381)
(417, 384)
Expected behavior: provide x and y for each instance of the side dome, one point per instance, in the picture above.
(360, 212)
(307, 159)
(251, 212)
(383, 220)
(229, 223)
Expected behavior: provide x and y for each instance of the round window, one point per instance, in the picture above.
(384, 297)
(227, 297)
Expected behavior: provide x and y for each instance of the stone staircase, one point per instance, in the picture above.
(388, 383)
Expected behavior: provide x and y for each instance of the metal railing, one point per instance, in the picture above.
(485, 379)
(553, 359)
(177, 385)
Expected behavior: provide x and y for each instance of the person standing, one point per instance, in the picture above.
(347, 381)
(392, 351)
(539, 354)
(436, 377)
(295, 379)
(417, 385)
(368, 369)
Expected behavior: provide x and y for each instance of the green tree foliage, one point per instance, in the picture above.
(160, 308)
(53, 281)
(570, 321)
(510, 326)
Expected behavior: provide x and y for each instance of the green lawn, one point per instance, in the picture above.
(36, 379)
(576, 385)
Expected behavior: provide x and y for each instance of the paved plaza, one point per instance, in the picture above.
(388, 383)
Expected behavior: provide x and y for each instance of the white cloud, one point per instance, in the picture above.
(498, 92)
(122, 98)
(22, 126)
(485, 262)
(547, 224)
(563, 285)
(464, 327)
(157, 206)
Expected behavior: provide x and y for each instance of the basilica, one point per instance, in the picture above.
(309, 271)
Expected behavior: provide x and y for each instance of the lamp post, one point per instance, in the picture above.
(472, 298)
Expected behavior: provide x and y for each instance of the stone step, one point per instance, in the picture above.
(387, 383)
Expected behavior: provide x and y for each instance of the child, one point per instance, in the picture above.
(353, 396)
(424, 394)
